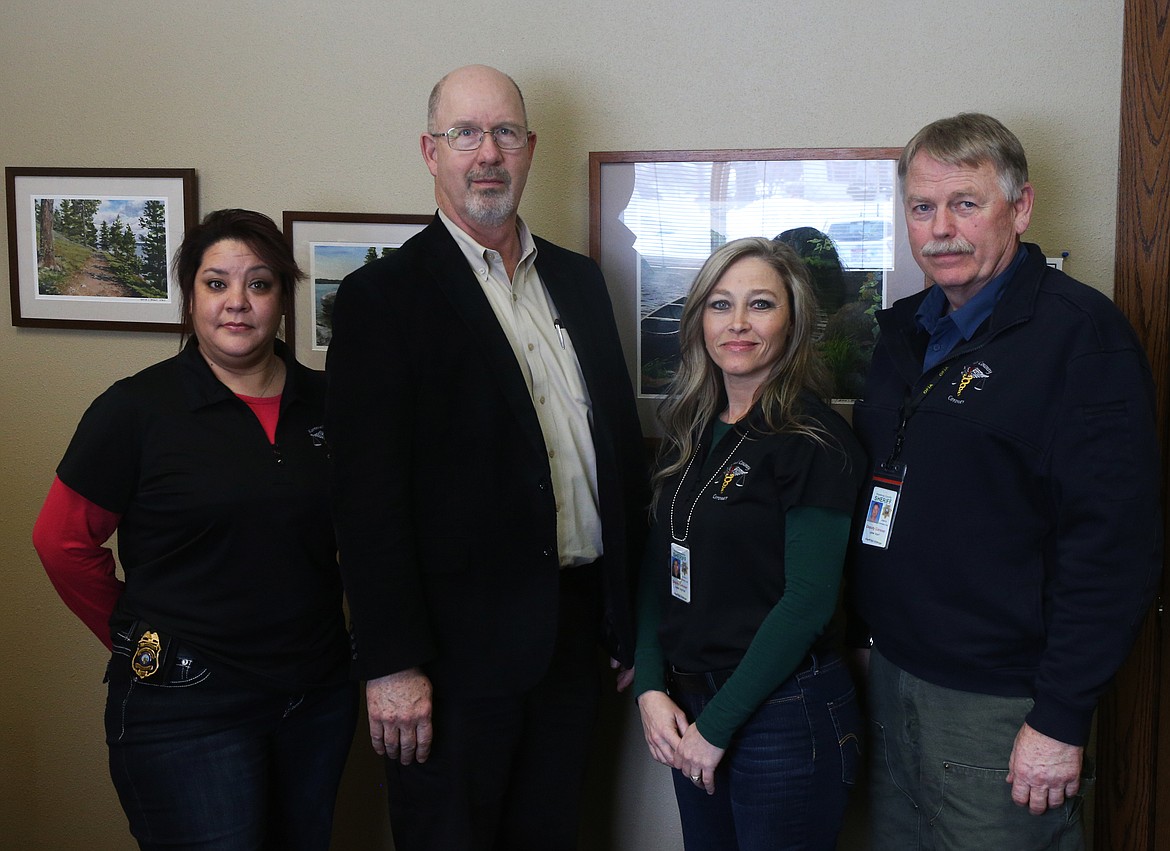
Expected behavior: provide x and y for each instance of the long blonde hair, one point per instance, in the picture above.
(696, 394)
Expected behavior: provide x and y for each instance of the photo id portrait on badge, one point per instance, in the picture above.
(883, 504)
(680, 572)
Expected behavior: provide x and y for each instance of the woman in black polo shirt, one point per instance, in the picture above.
(229, 714)
(740, 682)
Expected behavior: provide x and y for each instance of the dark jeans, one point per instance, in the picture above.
(202, 763)
(785, 778)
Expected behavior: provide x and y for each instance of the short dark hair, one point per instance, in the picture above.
(255, 230)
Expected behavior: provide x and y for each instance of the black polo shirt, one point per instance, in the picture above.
(225, 539)
(730, 511)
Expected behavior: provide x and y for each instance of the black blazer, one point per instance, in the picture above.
(443, 503)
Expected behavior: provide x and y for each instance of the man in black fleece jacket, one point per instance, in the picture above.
(1010, 542)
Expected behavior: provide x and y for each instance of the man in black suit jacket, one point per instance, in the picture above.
(489, 494)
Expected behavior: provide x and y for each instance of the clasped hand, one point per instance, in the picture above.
(676, 743)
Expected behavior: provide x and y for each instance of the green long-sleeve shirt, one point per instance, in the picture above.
(814, 551)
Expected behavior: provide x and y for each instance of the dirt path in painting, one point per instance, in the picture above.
(95, 279)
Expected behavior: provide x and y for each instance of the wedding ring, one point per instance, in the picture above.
(695, 778)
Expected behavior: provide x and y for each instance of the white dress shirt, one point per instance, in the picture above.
(549, 364)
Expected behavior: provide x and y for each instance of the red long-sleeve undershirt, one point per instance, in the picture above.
(68, 536)
(70, 532)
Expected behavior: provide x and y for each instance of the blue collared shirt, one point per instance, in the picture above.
(946, 330)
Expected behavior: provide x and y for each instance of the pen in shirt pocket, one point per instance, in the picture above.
(560, 326)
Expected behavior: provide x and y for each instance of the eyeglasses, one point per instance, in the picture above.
(508, 137)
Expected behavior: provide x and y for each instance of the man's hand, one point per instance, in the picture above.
(625, 676)
(399, 707)
(1043, 771)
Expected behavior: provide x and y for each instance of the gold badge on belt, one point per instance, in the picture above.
(146, 658)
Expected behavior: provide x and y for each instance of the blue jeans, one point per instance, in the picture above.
(785, 778)
(200, 762)
(938, 771)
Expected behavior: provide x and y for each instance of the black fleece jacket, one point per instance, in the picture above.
(1027, 542)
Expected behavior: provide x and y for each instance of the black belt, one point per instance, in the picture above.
(704, 684)
(709, 682)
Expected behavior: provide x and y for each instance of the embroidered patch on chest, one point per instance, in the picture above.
(972, 379)
(733, 476)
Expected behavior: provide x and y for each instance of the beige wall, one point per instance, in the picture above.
(317, 106)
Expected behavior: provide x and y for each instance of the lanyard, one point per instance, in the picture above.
(690, 512)
(910, 406)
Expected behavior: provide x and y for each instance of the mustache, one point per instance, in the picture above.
(958, 245)
(491, 173)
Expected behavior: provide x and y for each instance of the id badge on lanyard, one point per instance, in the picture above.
(890, 476)
(680, 554)
(680, 572)
(883, 504)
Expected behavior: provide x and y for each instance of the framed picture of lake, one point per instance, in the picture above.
(327, 247)
(655, 217)
(92, 247)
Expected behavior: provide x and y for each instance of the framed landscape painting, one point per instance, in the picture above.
(327, 247)
(92, 248)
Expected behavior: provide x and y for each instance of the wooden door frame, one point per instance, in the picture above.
(1133, 732)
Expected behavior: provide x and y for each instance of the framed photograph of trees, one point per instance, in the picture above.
(327, 247)
(92, 247)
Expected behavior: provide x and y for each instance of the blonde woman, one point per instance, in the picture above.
(740, 684)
